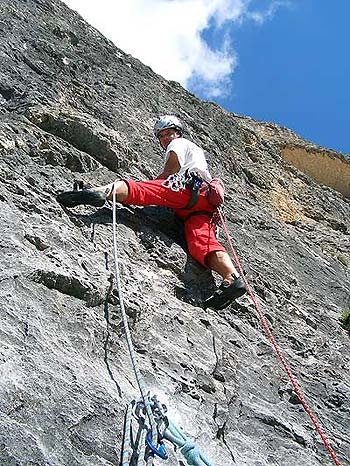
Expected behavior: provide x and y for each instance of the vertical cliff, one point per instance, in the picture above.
(73, 106)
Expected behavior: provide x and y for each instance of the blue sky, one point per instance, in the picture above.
(285, 61)
(294, 70)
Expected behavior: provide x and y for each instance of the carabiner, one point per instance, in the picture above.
(160, 451)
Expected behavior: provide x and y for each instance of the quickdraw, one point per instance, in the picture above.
(159, 451)
(191, 180)
(177, 182)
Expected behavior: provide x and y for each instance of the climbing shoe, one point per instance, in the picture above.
(84, 196)
(225, 294)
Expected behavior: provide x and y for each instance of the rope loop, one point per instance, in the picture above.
(191, 453)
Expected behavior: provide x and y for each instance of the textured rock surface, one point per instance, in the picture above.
(74, 106)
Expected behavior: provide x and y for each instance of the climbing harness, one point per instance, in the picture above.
(178, 182)
(199, 212)
(196, 184)
(214, 189)
(153, 423)
(276, 347)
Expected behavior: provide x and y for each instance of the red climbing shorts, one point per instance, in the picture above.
(200, 231)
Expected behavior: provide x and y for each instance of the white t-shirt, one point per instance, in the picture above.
(190, 156)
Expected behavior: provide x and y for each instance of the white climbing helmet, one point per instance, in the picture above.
(168, 121)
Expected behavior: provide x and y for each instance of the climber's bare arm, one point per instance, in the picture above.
(172, 166)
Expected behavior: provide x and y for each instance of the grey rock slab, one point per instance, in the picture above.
(74, 106)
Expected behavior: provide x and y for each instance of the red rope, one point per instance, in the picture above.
(278, 350)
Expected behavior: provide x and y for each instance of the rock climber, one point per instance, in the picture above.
(185, 165)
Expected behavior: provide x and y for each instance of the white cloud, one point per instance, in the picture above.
(264, 15)
(167, 35)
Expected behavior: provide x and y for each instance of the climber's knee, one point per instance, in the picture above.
(120, 188)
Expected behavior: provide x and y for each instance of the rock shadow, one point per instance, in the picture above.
(198, 283)
(157, 220)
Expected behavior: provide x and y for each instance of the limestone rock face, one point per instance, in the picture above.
(73, 106)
